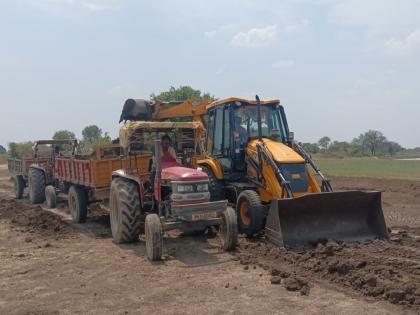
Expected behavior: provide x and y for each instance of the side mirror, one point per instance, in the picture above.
(291, 136)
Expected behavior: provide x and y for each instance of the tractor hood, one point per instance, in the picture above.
(176, 172)
(280, 152)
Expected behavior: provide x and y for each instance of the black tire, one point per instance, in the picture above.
(216, 187)
(19, 185)
(77, 200)
(125, 217)
(36, 185)
(251, 213)
(154, 237)
(51, 196)
(228, 230)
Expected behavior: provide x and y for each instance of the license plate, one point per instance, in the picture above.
(203, 216)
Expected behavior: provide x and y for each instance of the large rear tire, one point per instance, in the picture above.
(125, 217)
(154, 237)
(228, 230)
(51, 196)
(77, 200)
(19, 185)
(251, 213)
(215, 185)
(36, 185)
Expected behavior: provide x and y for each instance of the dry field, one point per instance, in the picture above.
(50, 266)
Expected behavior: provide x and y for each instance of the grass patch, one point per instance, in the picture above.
(370, 167)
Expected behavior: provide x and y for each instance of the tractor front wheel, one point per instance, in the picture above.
(154, 237)
(228, 230)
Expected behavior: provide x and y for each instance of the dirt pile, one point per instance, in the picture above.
(32, 218)
(290, 282)
(380, 269)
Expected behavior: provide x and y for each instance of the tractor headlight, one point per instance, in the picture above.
(202, 187)
(185, 188)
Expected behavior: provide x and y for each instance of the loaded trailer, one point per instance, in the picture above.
(83, 180)
(36, 164)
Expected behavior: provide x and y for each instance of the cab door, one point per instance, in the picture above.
(218, 138)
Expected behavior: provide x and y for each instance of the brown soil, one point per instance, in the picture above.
(400, 198)
(51, 266)
(33, 219)
(385, 270)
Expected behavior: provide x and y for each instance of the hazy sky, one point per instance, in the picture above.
(339, 67)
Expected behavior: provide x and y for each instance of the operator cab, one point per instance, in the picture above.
(232, 123)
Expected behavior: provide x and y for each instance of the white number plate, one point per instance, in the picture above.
(203, 216)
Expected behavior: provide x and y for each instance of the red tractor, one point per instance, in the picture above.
(170, 194)
(37, 171)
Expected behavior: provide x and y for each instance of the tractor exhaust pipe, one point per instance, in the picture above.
(259, 117)
(158, 170)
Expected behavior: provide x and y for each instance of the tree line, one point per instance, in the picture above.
(369, 143)
(91, 135)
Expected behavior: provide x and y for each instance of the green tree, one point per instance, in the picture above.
(63, 135)
(310, 147)
(324, 142)
(93, 135)
(392, 147)
(344, 148)
(2, 150)
(20, 150)
(372, 140)
(181, 93)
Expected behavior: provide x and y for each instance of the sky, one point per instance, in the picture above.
(339, 67)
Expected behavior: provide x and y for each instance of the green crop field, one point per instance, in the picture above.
(370, 167)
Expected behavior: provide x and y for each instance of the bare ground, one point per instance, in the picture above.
(50, 266)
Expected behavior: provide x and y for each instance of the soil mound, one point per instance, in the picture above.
(388, 270)
(32, 218)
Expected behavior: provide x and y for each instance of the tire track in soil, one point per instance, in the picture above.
(379, 269)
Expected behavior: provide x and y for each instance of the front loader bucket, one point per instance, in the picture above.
(349, 216)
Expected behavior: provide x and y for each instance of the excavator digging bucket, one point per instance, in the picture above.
(302, 222)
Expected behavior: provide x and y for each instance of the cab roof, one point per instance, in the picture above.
(242, 100)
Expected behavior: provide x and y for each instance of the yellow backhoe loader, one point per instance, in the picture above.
(253, 161)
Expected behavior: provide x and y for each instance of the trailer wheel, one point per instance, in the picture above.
(215, 186)
(19, 185)
(36, 185)
(154, 239)
(251, 213)
(228, 230)
(77, 200)
(50, 196)
(125, 216)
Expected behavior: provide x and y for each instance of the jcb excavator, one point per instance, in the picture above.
(253, 161)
